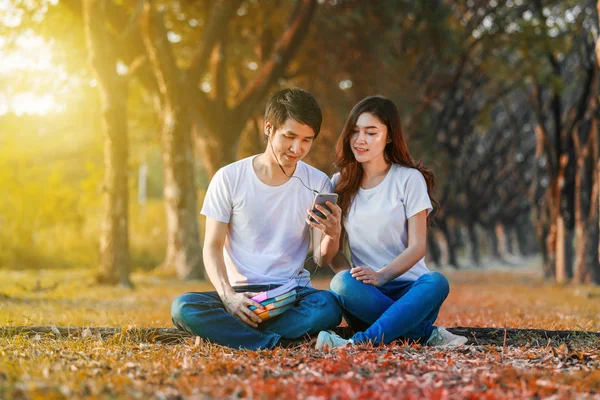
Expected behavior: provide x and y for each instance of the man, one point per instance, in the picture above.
(257, 236)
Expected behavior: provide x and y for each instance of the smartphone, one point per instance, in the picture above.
(320, 199)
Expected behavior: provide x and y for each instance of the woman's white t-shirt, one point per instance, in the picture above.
(377, 221)
(267, 238)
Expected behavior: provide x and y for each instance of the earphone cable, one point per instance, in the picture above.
(316, 246)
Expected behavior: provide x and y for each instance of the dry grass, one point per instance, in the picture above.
(124, 366)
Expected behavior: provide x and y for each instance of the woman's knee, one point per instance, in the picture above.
(439, 282)
(342, 283)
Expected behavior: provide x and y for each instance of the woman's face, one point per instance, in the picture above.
(368, 138)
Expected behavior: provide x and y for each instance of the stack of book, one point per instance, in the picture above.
(275, 301)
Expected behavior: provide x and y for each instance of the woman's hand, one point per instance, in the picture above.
(367, 276)
(331, 225)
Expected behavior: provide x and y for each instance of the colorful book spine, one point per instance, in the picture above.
(277, 304)
(278, 291)
(276, 299)
(274, 312)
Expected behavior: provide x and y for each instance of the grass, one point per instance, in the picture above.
(126, 366)
(510, 298)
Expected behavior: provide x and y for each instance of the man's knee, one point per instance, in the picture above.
(342, 283)
(188, 303)
(326, 306)
(178, 307)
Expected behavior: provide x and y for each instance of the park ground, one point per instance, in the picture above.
(132, 365)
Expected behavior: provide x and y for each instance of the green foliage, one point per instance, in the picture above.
(37, 207)
(51, 212)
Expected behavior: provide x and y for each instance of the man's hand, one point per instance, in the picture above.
(331, 225)
(367, 276)
(237, 305)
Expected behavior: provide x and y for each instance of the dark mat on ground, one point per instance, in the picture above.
(476, 335)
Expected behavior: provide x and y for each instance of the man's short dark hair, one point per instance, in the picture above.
(296, 104)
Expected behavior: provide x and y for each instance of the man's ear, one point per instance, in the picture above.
(268, 130)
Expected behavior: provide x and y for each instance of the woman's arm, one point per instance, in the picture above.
(417, 244)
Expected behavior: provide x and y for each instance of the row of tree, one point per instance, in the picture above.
(498, 97)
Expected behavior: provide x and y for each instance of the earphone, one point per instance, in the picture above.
(318, 248)
(281, 167)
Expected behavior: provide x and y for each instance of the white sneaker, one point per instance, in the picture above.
(442, 337)
(331, 340)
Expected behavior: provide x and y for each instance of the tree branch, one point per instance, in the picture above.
(160, 53)
(220, 73)
(217, 25)
(284, 50)
(130, 47)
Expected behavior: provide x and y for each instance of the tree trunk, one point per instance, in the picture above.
(591, 259)
(541, 201)
(216, 151)
(433, 248)
(452, 259)
(184, 252)
(114, 236)
(474, 244)
(494, 243)
(533, 245)
(585, 191)
(252, 140)
(457, 234)
(543, 233)
(522, 240)
(561, 273)
(581, 237)
(509, 239)
(551, 240)
(597, 145)
(593, 253)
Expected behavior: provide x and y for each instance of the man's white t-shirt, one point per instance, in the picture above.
(377, 221)
(268, 237)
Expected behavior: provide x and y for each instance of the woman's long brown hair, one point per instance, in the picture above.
(351, 172)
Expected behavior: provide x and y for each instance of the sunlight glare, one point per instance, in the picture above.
(29, 56)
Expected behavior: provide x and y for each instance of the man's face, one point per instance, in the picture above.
(291, 141)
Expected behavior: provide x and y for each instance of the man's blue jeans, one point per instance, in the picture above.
(203, 314)
(397, 309)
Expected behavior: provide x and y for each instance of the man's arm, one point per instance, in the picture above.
(235, 303)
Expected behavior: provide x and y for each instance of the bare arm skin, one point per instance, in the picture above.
(417, 244)
(235, 303)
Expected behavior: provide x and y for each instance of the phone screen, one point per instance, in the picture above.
(321, 199)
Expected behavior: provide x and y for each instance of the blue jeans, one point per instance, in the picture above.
(397, 309)
(204, 315)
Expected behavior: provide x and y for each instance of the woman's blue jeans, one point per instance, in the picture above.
(397, 309)
(203, 314)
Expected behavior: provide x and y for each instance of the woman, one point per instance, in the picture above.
(385, 199)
